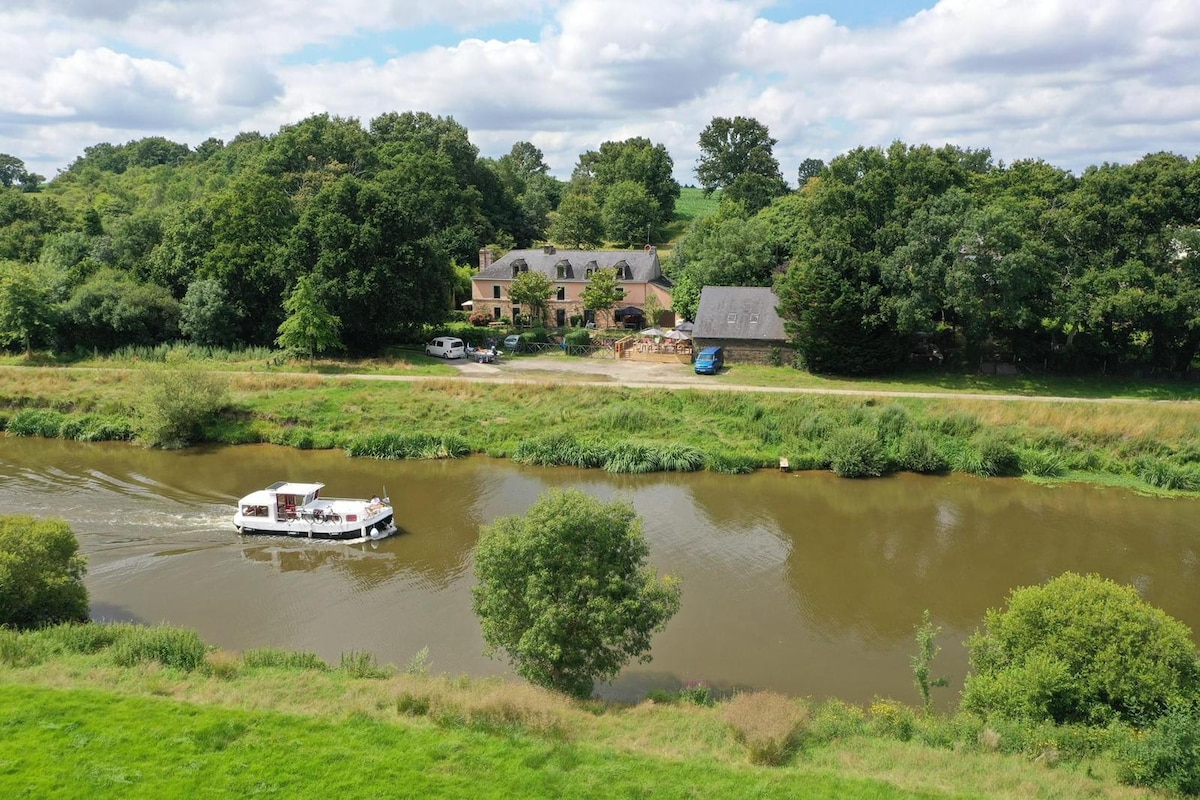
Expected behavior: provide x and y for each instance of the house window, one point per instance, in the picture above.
(562, 293)
(516, 315)
(731, 319)
(589, 273)
(753, 318)
(495, 291)
(496, 312)
(560, 317)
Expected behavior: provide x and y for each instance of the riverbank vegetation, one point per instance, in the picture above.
(129, 711)
(1144, 446)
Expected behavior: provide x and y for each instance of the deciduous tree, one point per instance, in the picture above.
(566, 592)
(577, 222)
(736, 155)
(309, 327)
(26, 311)
(602, 292)
(532, 290)
(41, 573)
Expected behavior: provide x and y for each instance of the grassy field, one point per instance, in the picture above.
(87, 715)
(691, 206)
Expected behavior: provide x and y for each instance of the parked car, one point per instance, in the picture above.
(512, 343)
(446, 347)
(710, 360)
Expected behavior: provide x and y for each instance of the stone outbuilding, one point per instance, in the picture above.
(743, 320)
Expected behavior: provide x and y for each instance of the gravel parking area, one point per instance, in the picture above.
(566, 368)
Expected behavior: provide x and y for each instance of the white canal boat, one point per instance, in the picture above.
(297, 509)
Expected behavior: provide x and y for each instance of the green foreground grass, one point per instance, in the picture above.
(120, 711)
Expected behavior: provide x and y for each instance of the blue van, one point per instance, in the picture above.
(710, 360)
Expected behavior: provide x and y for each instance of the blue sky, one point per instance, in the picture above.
(1072, 82)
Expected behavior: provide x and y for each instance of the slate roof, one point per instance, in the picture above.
(738, 312)
(639, 267)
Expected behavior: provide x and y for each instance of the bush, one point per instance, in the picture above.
(916, 452)
(179, 648)
(1041, 463)
(1166, 757)
(1164, 474)
(578, 338)
(177, 401)
(767, 723)
(361, 664)
(1080, 649)
(855, 453)
(41, 573)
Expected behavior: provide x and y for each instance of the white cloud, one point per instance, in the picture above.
(1074, 82)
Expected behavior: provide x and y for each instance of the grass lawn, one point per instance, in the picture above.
(84, 742)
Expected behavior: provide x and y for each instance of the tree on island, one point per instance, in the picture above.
(565, 591)
(309, 328)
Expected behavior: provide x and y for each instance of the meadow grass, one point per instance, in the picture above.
(1146, 445)
(268, 722)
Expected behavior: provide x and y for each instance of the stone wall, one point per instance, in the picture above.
(743, 351)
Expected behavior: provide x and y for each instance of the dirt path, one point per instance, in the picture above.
(642, 375)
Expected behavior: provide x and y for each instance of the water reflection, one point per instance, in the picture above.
(804, 583)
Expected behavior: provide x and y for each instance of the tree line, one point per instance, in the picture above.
(880, 255)
(889, 253)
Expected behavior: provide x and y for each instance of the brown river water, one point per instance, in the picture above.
(803, 583)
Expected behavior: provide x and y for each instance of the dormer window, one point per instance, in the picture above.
(519, 266)
(563, 268)
(622, 269)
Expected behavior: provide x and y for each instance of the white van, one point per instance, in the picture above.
(446, 347)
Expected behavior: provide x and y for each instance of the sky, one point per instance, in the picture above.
(1072, 82)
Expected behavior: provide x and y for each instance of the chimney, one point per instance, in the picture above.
(548, 250)
(485, 258)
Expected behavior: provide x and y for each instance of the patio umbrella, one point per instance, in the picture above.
(676, 334)
(468, 304)
(685, 326)
(654, 332)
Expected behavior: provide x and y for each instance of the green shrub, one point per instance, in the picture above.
(836, 719)
(855, 453)
(578, 338)
(177, 400)
(996, 456)
(41, 573)
(276, 658)
(1167, 757)
(180, 648)
(916, 451)
(1080, 649)
(42, 422)
(892, 719)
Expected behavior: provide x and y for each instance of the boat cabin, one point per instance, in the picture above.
(281, 500)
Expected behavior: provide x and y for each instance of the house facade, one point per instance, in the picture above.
(743, 320)
(638, 273)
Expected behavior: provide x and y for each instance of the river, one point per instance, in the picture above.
(803, 583)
